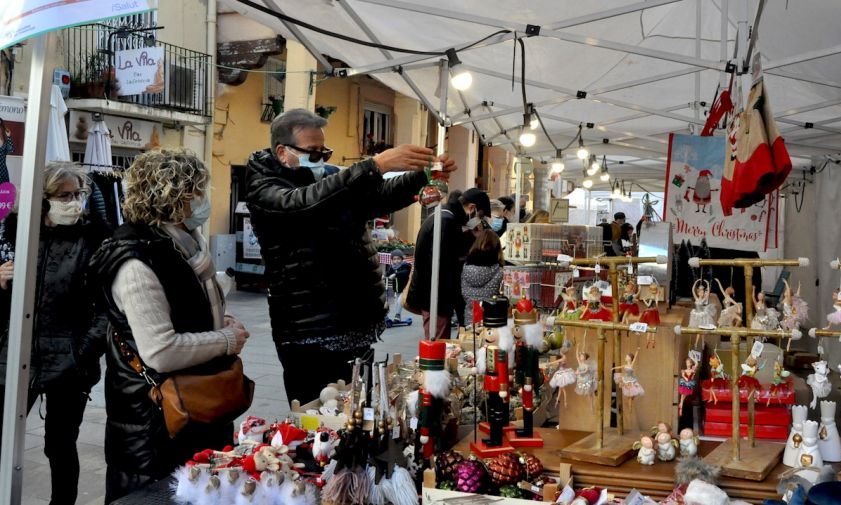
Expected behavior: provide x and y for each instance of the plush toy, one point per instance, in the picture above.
(264, 458)
(287, 434)
(324, 446)
(688, 443)
(253, 429)
(646, 453)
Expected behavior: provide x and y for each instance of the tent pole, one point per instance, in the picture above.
(26, 257)
(518, 173)
(436, 223)
(725, 23)
(697, 105)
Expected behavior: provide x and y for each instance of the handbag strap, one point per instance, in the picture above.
(133, 360)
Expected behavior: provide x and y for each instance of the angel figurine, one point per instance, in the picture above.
(595, 310)
(765, 317)
(572, 310)
(718, 379)
(688, 443)
(646, 453)
(777, 381)
(748, 376)
(795, 310)
(731, 314)
(686, 383)
(626, 379)
(628, 304)
(702, 315)
(835, 316)
(562, 378)
(666, 446)
(585, 377)
(651, 314)
(819, 382)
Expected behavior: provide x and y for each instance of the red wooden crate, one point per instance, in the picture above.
(769, 416)
(761, 431)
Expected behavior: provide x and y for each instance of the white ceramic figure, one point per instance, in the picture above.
(819, 382)
(646, 453)
(688, 443)
(829, 442)
(799, 413)
(666, 447)
(810, 454)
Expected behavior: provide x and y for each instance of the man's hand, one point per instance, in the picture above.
(7, 272)
(409, 157)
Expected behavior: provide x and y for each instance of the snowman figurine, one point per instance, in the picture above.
(810, 454)
(799, 413)
(829, 442)
(688, 443)
(819, 382)
(646, 453)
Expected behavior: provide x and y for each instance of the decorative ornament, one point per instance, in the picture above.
(510, 491)
(446, 463)
(505, 470)
(447, 485)
(532, 465)
(436, 190)
(471, 476)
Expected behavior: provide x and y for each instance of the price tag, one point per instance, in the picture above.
(576, 273)
(644, 280)
(630, 269)
(695, 356)
(413, 423)
(437, 166)
(756, 351)
(635, 498)
(563, 258)
(638, 327)
(395, 431)
(367, 414)
(598, 269)
(820, 350)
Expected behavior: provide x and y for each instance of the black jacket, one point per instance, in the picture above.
(323, 271)
(454, 246)
(138, 449)
(68, 333)
(401, 274)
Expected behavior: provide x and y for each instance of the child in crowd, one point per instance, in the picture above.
(398, 276)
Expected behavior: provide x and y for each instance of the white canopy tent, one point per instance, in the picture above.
(635, 70)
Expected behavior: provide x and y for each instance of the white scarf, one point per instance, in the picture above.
(193, 247)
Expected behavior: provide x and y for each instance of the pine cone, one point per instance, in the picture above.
(533, 466)
(505, 470)
(446, 463)
(470, 476)
(510, 492)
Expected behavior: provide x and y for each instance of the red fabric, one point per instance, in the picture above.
(631, 308)
(602, 314)
(528, 398)
(722, 106)
(651, 317)
(478, 312)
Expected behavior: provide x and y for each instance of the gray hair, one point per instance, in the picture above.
(290, 122)
(56, 172)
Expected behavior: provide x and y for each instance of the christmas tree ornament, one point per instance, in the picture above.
(651, 314)
(446, 463)
(585, 377)
(819, 382)
(436, 189)
(628, 302)
(795, 309)
(627, 380)
(764, 317)
(829, 442)
(687, 383)
(510, 491)
(718, 379)
(532, 465)
(505, 470)
(563, 377)
(703, 315)
(447, 485)
(748, 378)
(572, 310)
(471, 476)
(595, 311)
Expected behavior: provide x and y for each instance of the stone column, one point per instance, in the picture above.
(299, 87)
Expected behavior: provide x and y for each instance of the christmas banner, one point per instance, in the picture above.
(693, 187)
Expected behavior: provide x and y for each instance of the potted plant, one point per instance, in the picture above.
(92, 77)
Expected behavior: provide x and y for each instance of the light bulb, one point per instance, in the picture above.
(534, 123)
(594, 167)
(588, 183)
(462, 80)
(527, 139)
(582, 153)
(558, 166)
(617, 193)
(605, 177)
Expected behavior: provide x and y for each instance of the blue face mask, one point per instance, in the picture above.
(200, 206)
(316, 167)
(496, 223)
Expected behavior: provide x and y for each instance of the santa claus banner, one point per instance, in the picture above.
(693, 189)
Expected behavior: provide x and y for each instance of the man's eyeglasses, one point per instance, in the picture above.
(315, 156)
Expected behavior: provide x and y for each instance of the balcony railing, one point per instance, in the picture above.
(91, 62)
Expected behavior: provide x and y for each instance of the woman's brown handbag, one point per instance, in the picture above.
(185, 397)
(405, 294)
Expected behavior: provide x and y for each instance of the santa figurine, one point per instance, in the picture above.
(528, 333)
(495, 331)
(435, 389)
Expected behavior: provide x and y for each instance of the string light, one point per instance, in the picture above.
(594, 167)
(605, 175)
(558, 163)
(588, 183)
(527, 138)
(582, 152)
(460, 80)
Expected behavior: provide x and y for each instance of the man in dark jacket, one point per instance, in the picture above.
(458, 220)
(326, 296)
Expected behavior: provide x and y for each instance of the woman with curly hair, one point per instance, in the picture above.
(158, 282)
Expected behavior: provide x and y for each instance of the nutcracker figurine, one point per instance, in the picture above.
(431, 397)
(528, 333)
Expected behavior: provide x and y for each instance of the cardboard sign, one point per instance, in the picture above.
(140, 71)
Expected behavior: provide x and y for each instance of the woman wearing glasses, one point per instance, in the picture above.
(326, 295)
(67, 335)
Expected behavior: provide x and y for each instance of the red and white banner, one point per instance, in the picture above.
(693, 185)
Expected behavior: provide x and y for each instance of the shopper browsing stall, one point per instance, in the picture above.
(67, 336)
(326, 295)
(165, 308)
(481, 278)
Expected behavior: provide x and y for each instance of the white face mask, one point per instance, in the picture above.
(65, 213)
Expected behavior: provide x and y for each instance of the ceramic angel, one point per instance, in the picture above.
(829, 442)
(777, 381)
(702, 316)
(628, 302)
(666, 446)
(718, 379)
(595, 310)
(686, 383)
(585, 377)
(791, 455)
(731, 314)
(627, 379)
(646, 453)
(748, 377)
(651, 314)
(819, 382)
(834, 317)
(688, 443)
(795, 310)
(562, 378)
(765, 317)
